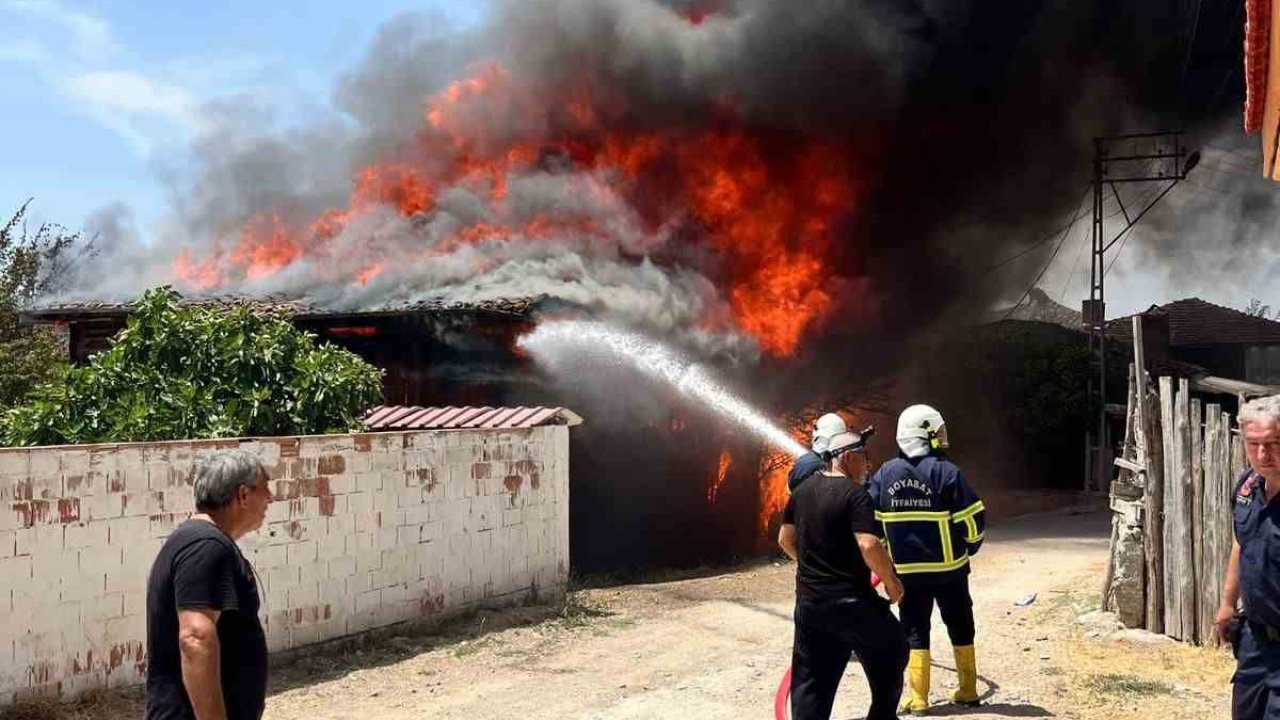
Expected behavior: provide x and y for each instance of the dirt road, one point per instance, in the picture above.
(716, 647)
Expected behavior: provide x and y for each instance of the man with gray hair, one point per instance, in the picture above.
(1253, 572)
(206, 650)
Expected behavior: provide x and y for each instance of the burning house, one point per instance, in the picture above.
(629, 478)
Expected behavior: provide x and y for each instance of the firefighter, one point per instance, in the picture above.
(829, 528)
(827, 427)
(932, 522)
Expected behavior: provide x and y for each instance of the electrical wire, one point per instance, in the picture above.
(1075, 218)
(1186, 60)
(1052, 256)
(1125, 239)
(1062, 297)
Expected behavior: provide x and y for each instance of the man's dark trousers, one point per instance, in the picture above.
(953, 601)
(827, 633)
(1255, 692)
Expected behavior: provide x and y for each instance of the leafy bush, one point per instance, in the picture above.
(31, 263)
(178, 372)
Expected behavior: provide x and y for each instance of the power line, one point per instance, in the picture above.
(1054, 233)
(1125, 239)
(1066, 286)
(1186, 60)
(1232, 68)
(1054, 255)
(1075, 218)
(1062, 297)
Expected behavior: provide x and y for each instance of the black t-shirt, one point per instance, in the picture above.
(827, 510)
(200, 567)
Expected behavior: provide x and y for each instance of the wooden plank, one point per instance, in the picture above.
(1130, 414)
(1218, 505)
(1224, 532)
(1184, 546)
(1141, 456)
(1196, 430)
(1129, 465)
(1153, 516)
(1238, 463)
(1169, 443)
(1141, 391)
(1206, 529)
(1214, 557)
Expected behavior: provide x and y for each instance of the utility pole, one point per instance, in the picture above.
(1159, 157)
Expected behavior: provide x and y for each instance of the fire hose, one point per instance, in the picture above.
(782, 698)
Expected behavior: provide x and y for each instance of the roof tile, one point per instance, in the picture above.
(1196, 322)
(412, 417)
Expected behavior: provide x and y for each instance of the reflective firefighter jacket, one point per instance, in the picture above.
(932, 519)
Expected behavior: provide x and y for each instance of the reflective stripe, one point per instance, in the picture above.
(968, 512)
(972, 526)
(940, 519)
(915, 568)
(944, 532)
(910, 515)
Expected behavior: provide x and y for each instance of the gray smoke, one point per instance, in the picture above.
(972, 122)
(1218, 227)
(796, 65)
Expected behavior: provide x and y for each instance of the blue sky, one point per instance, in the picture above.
(98, 93)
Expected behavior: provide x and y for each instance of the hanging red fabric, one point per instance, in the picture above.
(1257, 51)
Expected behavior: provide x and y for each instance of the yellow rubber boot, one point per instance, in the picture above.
(967, 673)
(916, 701)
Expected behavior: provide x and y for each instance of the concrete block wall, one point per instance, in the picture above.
(366, 531)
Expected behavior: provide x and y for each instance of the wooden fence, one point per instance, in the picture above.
(1172, 503)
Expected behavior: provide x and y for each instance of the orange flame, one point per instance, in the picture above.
(198, 275)
(265, 247)
(370, 273)
(725, 461)
(399, 186)
(774, 468)
(766, 208)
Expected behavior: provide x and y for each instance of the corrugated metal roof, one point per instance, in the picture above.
(414, 417)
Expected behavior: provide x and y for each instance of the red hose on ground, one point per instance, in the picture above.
(782, 698)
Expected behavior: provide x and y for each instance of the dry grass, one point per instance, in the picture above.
(1204, 670)
(1128, 685)
(95, 705)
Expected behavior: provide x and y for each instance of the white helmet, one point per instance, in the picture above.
(828, 426)
(921, 429)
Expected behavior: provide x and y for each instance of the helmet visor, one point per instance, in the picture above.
(940, 441)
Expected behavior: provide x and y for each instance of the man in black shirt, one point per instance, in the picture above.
(829, 528)
(206, 651)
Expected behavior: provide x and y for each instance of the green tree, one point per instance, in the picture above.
(32, 263)
(183, 372)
